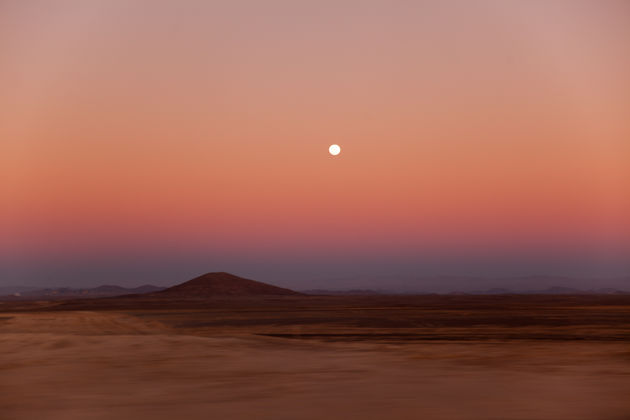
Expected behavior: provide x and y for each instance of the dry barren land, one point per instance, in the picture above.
(395, 357)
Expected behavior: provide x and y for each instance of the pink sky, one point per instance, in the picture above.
(201, 128)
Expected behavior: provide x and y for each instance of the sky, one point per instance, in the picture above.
(151, 141)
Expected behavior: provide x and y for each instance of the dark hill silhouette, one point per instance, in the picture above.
(222, 284)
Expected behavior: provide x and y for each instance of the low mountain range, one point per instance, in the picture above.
(556, 290)
(205, 286)
(226, 284)
(71, 293)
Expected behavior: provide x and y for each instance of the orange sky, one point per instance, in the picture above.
(147, 127)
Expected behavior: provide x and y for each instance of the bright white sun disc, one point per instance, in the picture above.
(334, 149)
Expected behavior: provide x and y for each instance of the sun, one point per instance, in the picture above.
(334, 149)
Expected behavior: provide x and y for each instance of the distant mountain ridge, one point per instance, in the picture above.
(225, 284)
(555, 290)
(404, 284)
(67, 292)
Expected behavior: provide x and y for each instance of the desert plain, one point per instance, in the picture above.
(437, 357)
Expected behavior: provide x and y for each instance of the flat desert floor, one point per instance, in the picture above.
(425, 357)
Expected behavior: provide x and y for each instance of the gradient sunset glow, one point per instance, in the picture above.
(161, 139)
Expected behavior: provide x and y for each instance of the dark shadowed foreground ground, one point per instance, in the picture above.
(430, 357)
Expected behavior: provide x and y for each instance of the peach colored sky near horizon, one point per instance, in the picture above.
(171, 127)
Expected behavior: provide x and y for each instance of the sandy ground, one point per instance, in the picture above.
(92, 365)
